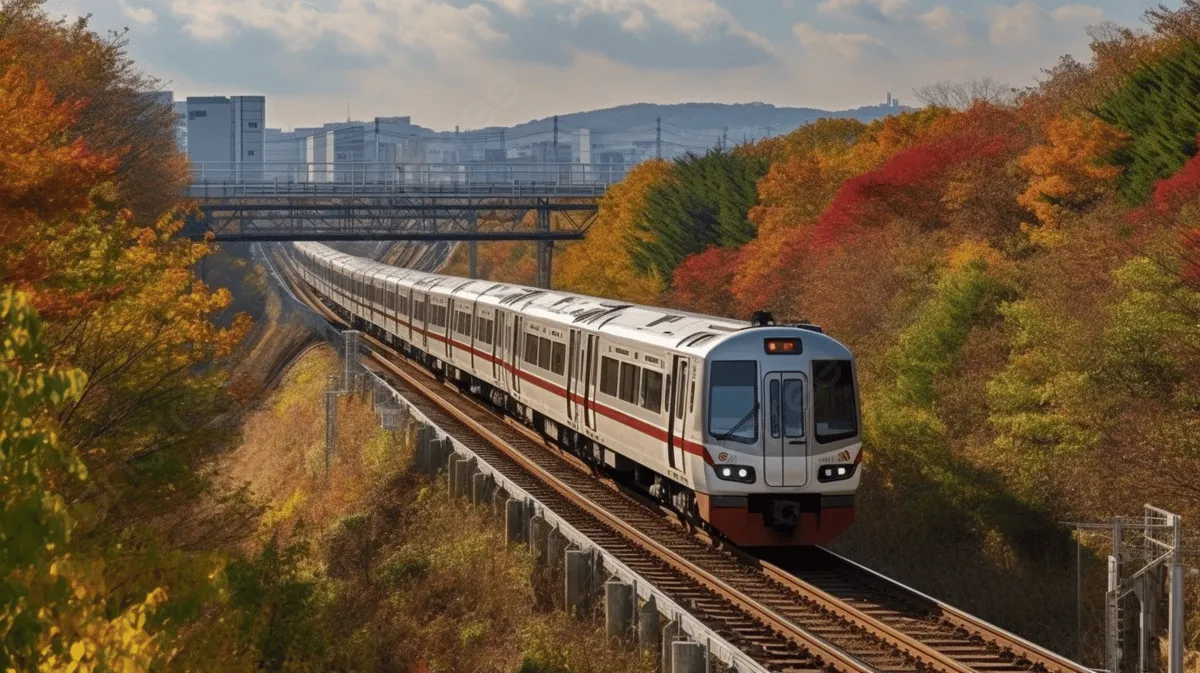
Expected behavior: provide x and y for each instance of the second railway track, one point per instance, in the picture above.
(823, 614)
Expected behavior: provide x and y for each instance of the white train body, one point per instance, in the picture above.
(753, 429)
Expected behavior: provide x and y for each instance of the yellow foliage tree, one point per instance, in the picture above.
(1068, 172)
(54, 611)
(601, 264)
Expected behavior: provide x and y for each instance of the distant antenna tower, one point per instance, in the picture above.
(658, 139)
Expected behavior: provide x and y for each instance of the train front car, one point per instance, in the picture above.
(781, 428)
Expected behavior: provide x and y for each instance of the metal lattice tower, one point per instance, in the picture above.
(1147, 558)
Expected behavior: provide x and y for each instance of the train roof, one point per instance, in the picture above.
(679, 330)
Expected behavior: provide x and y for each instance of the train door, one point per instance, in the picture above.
(677, 410)
(573, 361)
(590, 356)
(514, 353)
(450, 329)
(785, 444)
(498, 332)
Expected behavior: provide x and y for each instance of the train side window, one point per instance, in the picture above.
(464, 323)
(609, 371)
(630, 374)
(652, 387)
(531, 349)
(558, 358)
(544, 353)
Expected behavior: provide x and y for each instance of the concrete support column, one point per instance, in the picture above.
(538, 533)
(618, 610)
(442, 448)
(556, 553)
(670, 633)
(479, 488)
(648, 628)
(499, 498)
(466, 470)
(578, 582)
(688, 657)
(452, 472)
(514, 523)
(425, 457)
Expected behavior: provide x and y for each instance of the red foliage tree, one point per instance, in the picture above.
(908, 185)
(703, 282)
(1170, 197)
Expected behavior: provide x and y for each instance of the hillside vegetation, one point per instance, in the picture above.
(1020, 281)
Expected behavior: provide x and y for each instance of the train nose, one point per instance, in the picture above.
(785, 514)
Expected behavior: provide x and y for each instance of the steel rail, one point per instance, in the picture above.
(1036, 654)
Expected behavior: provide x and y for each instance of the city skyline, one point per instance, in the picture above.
(502, 62)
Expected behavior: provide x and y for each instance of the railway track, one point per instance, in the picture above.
(818, 612)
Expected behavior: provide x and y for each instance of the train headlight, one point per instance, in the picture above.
(828, 473)
(737, 473)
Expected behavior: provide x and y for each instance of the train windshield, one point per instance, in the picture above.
(733, 401)
(835, 407)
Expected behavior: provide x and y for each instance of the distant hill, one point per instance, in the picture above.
(701, 117)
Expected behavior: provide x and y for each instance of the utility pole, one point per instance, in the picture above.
(658, 139)
(555, 138)
(724, 137)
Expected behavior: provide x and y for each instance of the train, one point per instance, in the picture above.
(750, 429)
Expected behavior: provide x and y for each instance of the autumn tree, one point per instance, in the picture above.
(90, 217)
(54, 613)
(117, 114)
(965, 95)
(1069, 171)
(601, 265)
(702, 282)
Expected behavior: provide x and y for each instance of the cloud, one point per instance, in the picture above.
(1025, 21)
(881, 11)
(697, 19)
(946, 22)
(362, 26)
(1079, 14)
(142, 15)
(843, 45)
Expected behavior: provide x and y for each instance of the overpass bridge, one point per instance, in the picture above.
(400, 202)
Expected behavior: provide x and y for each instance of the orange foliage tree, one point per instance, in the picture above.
(601, 265)
(1068, 171)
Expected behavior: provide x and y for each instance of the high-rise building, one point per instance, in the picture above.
(226, 137)
(181, 118)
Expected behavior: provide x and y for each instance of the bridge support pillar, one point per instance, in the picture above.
(473, 245)
(545, 248)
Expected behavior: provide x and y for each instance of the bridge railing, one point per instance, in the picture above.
(230, 179)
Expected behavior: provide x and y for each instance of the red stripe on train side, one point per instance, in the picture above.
(638, 424)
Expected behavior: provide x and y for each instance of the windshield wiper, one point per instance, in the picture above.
(738, 426)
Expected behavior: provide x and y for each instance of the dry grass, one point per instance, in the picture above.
(410, 579)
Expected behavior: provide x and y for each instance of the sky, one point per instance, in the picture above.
(475, 63)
